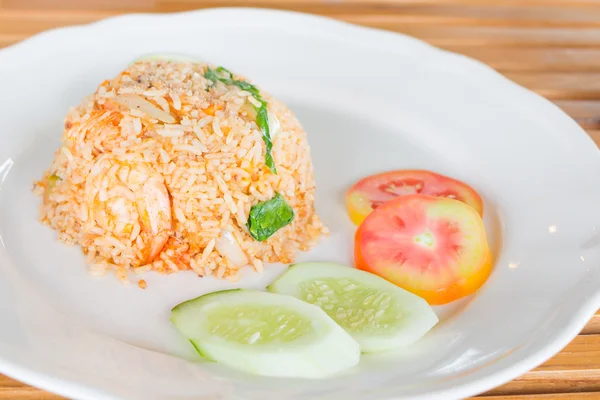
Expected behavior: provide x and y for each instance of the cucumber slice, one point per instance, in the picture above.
(168, 57)
(377, 313)
(266, 334)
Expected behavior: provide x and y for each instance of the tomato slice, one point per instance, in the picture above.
(372, 191)
(434, 247)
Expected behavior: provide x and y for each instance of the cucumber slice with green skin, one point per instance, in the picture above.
(168, 57)
(378, 314)
(266, 334)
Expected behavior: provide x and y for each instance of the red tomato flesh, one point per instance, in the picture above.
(372, 191)
(434, 247)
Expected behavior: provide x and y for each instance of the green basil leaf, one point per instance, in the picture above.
(211, 75)
(268, 217)
(52, 182)
(262, 120)
(249, 88)
(223, 69)
(52, 179)
(262, 116)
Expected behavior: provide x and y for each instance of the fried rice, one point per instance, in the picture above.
(159, 170)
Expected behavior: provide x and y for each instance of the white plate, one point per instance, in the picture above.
(371, 101)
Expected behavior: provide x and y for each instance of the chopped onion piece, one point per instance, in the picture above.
(139, 103)
(228, 247)
(249, 109)
(274, 124)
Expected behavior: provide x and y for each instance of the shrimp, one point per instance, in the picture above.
(155, 208)
(101, 128)
(127, 215)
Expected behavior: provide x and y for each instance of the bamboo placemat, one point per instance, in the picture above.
(549, 46)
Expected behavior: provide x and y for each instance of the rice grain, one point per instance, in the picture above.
(148, 178)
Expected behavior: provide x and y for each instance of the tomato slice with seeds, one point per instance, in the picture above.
(434, 247)
(372, 191)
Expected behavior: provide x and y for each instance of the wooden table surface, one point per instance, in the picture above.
(549, 46)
